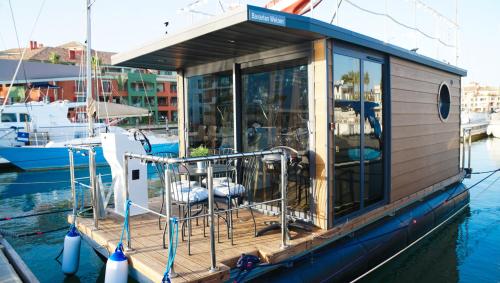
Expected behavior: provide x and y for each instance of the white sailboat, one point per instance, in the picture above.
(35, 135)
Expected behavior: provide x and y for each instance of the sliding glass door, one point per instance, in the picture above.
(358, 136)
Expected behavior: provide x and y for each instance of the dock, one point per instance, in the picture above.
(12, 267)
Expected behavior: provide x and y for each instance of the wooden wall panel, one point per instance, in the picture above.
(424, 149)
(321, 183)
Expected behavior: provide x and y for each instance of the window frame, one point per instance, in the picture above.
(363, 55)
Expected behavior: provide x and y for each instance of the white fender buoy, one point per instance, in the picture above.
(71, 252)
(117, 267)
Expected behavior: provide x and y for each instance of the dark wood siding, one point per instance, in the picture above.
(425, 150)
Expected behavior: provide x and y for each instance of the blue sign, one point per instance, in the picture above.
(267, 18)
(23, 137)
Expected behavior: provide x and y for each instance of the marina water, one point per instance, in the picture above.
(466, 250)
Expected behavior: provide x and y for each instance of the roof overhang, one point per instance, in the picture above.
(249, 30)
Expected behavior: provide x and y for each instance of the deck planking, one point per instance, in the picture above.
(149, 258)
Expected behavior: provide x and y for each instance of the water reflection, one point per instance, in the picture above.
(467, 250)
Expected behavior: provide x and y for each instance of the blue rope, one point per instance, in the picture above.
(173, 242)
(125, 224)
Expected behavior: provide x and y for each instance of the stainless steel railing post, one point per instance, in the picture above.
(469, 148)
(284, 181)
(127, 195)
(213, 260)
(93, 187)
(72, 180)
(168, 212)
(463, 148)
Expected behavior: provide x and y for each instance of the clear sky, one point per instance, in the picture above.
(125, 24)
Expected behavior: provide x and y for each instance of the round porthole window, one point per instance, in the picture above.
(444, 101)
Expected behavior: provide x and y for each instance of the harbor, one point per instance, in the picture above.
(457, 252)
(251, 142)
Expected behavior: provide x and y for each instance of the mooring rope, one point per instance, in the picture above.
(34, 214)
(173, 242)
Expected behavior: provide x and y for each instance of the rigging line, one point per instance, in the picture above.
(147, 97)
(400, 23)
(22, 55)
(98, 67)
(17, 39)
(335, 14)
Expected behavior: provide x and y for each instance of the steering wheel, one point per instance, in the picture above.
(141, 137)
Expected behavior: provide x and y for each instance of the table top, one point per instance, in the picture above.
(193, 170)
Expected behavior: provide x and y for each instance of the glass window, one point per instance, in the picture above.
(374, 177)
(173, 87)
(275, 108)
(359, 175)
(346, 75)
(9, 117)
(160, 87)
(210, 110)
(23, 117)
(444, 102)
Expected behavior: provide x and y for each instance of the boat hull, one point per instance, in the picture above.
(43, 158)
(345, 259)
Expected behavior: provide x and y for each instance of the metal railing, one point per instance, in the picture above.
(90, 151)
(466, 150)
(212, 212)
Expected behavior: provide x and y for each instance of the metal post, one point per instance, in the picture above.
(284, 180)
(72, 180)
(93, 187)
(210, 171)
(168, 212)
(469, 148)
(125, 184)
(463, 148)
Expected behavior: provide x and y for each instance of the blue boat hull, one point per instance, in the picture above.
(43, 158)
(346, 258)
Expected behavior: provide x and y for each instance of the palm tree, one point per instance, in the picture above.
(54, 58)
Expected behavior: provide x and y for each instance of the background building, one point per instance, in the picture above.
(57, 73)
(479, 98)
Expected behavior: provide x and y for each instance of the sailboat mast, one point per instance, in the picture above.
(90, 100)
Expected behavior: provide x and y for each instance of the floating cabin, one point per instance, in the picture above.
(376, 127)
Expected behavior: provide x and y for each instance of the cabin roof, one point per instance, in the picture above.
(249, 30)
(33, 72)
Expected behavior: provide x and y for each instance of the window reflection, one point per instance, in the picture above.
(374, 177)
(347, 134)
(275, 108)
(210, 110)
(350, 196)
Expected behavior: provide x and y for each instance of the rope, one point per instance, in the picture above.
(400, 23)
(35, 214)
(173, 242)
(125, 223)
(36, 233)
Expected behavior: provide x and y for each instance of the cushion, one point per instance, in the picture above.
(231, 189)
(217, 181)
(189, 194)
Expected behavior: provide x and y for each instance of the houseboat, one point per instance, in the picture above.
(351, 143)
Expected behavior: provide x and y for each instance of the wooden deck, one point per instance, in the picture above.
(149, 258)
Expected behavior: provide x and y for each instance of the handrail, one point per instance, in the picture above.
(211, 210)
(467, 140)
(172, 160)
(90, 148)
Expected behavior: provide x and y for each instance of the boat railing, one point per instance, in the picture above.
(279, 155)
(466, 150)
(88, 150)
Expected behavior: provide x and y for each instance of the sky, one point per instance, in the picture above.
(124, 25)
